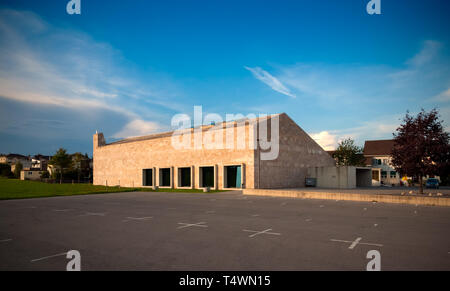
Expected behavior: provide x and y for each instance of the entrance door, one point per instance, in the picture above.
(233, 174)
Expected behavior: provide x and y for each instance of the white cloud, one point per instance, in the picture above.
(428, 52)
(270, 81)
(138, 128)
(42, 64)
(443, 97)
(326, 140)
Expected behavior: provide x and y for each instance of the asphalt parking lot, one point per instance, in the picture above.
(224, 231)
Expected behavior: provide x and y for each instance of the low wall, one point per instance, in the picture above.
(384, 198)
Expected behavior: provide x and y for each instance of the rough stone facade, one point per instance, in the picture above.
(122, 163)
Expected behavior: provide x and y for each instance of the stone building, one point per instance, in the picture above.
(271, 152)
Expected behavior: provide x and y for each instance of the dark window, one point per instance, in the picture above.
(207, 176)
(148, 177)
(393, 174)
(185, 177)
(164, 177)
(383, 174)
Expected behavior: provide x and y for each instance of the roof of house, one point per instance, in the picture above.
(41, 157)
(378, 147)
(17, 156)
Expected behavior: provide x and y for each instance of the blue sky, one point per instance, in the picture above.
(126, 68)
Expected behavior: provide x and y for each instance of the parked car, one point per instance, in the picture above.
(432, 183)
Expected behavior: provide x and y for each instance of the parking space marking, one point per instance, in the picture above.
(5, 240)
(137, 218)
(257, 232)
(308, 219)
(186, 225)
(48, 257)
(354, 243)
(256, 215)
(93, 214)
(62, 210)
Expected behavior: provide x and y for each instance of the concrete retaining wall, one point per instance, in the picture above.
(384, 198)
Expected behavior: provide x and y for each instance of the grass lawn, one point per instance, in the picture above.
(17, 189)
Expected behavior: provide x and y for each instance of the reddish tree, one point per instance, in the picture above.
(421, 146)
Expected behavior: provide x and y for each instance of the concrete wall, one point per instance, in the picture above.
(123, 162)
(298, 152)
(341, 177)
(30, 175)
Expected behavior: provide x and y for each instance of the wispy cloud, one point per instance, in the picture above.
(137, 128)
(45, 65)
(443, 97)
(270, 81)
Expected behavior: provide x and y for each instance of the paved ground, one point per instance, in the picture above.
(225, 231)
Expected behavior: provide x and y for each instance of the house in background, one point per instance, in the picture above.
(378, 156)
(14, 159)
(31, 174)
(40, 162)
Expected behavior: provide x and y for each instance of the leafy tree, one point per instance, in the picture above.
(421, 146)
(61, 161)
(45, 175)
(18, 169)
(349, 154)
(77, 161)
(5, 170)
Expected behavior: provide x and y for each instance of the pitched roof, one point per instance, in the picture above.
(217, 126)
(378, 147)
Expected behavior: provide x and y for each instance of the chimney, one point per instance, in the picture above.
(99, 140)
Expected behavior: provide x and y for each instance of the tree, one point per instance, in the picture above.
(61, 161)
(5, 170)
(17, 170)
(421, 146)
(349, 154)
(77, 161)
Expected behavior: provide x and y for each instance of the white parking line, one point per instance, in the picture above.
(62, 210)
(255, 215)
(308, 219)
(5, 240)
(354, 243)
(49, 257)
(137, 219)
(185, 225)
(256, 232)
(93, 214)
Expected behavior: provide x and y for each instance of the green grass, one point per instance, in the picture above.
(17, 189)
